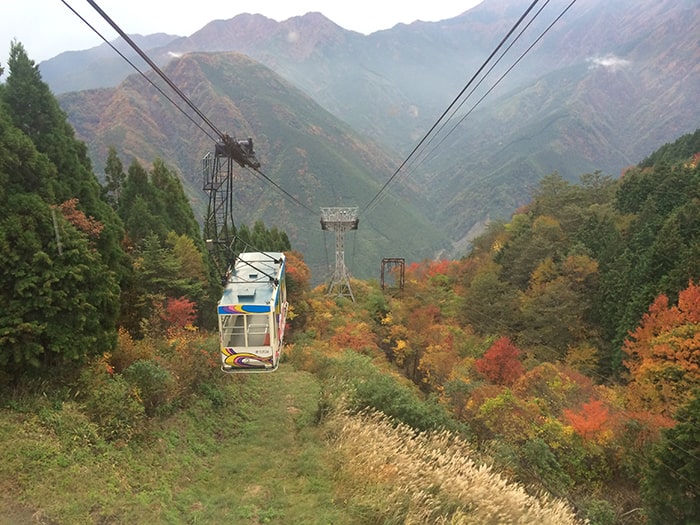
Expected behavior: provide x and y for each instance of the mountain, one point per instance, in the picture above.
(99, 66)
(620, 82)
(313, 157)
(603, 86)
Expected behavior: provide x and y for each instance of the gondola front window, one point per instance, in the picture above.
(244, 330)
(258, 330)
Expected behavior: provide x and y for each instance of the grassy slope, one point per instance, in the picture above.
(259, 459)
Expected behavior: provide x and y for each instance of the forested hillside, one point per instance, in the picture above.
(307, 152)
(566, 343)
(551, 375)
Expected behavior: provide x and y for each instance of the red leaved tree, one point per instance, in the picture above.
(355, 335)
(179, 313)
(88, 225)
(501, 364)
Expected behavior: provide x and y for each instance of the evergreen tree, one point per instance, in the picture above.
(279, 240)
(660, 244)
(178, 216)
(261, 236)
(156, 203)
(244, 238)
(671, 486)
(114, 177)
(59, 299)
(59, 282)
(35, 111)
(23, 169)
(677, 151)
(141, 206)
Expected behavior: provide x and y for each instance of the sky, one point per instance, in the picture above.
(47, 28)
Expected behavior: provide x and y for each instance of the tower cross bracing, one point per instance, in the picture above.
(340, 220)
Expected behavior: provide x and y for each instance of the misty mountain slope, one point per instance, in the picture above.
(602, 112)
(607, 84)
(316, 158)
(571, 131)
(100, 66)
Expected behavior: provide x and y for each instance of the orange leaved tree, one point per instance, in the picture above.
(590, 421)
(664, 354)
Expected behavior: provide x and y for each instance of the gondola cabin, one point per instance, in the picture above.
(252, 313)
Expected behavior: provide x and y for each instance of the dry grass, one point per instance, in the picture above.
(389, 474)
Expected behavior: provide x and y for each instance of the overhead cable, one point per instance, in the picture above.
(500, 79)
(139, 71)
(155, 68)
(437, 122)
(233, 148)
(283, 191)
(482, 80)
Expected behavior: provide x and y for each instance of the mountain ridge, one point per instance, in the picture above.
(604, 87)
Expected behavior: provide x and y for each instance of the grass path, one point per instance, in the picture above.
(258, 459)
(274, 470)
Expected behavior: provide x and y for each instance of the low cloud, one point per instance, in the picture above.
(611, 62)
(174, 55)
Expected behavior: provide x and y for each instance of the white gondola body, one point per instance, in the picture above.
(252, 313)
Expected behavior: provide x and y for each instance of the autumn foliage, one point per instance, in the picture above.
(87, 224)
(500, 363)
(557, 423)
(664, 354)
(179, 313)
(590, 420)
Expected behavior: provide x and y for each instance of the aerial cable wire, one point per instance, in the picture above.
(549, 27)
(156, 69)
(232, 144)
(283, 191)
(367, 208)
(437, 122)
(232, 147)
(481, 81)
(500, 79)
(128, 61)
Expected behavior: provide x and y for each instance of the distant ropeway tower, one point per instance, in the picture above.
(340, 220)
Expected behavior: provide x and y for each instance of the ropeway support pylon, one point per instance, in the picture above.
(340, 220)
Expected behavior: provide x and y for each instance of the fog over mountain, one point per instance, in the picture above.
(334, 112)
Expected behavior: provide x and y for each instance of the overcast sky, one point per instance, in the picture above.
(47, 27)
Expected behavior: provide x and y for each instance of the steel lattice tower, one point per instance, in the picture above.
(340, 220)
(217, 170)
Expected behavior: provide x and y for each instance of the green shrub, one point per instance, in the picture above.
(538, 458)
(115, 407)
(192, 359)
(72, 427)
(363, 385)
(383, 393)
(600, 512)
(214, 393)
(154, 384)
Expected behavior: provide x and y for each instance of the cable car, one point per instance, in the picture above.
(253, 312)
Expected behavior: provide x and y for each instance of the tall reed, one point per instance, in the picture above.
(387, 473)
